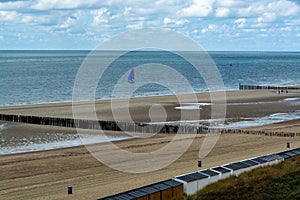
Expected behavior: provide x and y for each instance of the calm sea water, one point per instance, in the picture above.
(29, 77)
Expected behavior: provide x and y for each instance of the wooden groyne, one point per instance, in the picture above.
(135, 127)
(260, 87)
(102, 125)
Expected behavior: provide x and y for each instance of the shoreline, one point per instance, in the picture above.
(46, 174)
(200, 93)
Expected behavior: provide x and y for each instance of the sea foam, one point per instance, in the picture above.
(12, 145)
(266, 120)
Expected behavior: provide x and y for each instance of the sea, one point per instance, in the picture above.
(48, 76)
(35, 77)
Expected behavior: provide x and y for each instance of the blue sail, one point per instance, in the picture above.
(131, 76)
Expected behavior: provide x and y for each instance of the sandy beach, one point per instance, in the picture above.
(46, 174)
(247, 103)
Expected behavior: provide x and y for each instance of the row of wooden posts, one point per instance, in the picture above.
(259, 87)
(133, 127)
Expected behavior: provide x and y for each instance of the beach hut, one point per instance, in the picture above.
(243, 167)
(252, 164)
(177, 187)
(261, 162)
(272, 159)
(297, 151)
(152, 192)
(233, 168)
(124, 197)
(284, 155)
(165, 191)
(138, 195)
(213, 175)
(289, 154)
(193, 182)
(203, 180)
(121, 196)
(224, 172)
(237, 167)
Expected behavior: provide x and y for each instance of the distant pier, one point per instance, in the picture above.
(262, 87)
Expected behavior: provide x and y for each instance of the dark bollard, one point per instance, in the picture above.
(288, 145)
(70, 190)
(199, 163)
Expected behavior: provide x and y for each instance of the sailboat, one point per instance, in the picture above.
(131, 76)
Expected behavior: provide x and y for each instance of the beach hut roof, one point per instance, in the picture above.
(209, 172)
(241, 165)
(259, 160)
(161, 186)
(172, 183)
(137, 193)
(270, 157)
(149, 189)
(192, 177)
(221, 169)
(250, 162)
(232, 166)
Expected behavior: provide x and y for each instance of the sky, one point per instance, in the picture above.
(231, 25)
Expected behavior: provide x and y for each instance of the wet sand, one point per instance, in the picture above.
(292, 126)
(139, 107)
(46, 174)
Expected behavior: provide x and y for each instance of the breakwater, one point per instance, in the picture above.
(135, 127)
(261, 87)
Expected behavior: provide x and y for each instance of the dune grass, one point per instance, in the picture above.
(281, 181)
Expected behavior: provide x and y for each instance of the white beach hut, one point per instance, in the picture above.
(192, 182)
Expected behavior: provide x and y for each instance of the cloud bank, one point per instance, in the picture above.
(214, 24)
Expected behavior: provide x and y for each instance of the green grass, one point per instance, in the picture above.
(281, 181)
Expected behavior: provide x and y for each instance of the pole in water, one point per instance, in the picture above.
(70, 190)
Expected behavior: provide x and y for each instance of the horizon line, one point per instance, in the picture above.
(147, 50)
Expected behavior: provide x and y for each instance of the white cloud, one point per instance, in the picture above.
(284, 8)
(215, 28)
(199, 8)
(173, 21)
(204, 30)
(1, 37)
(68, 23)
(230, 3)
(286, 29)
(240, 22)
(100, 16)
(252, 10)
(135, 26)
(222, 12)
(279, 7)
(8, 16)
(166, 2)
(66, 4)
(127, 11)
(267, 17)
(13, 5)
(28, 18)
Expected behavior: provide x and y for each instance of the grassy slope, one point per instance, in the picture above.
(281, 181)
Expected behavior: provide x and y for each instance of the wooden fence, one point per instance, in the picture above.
(134, 127)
